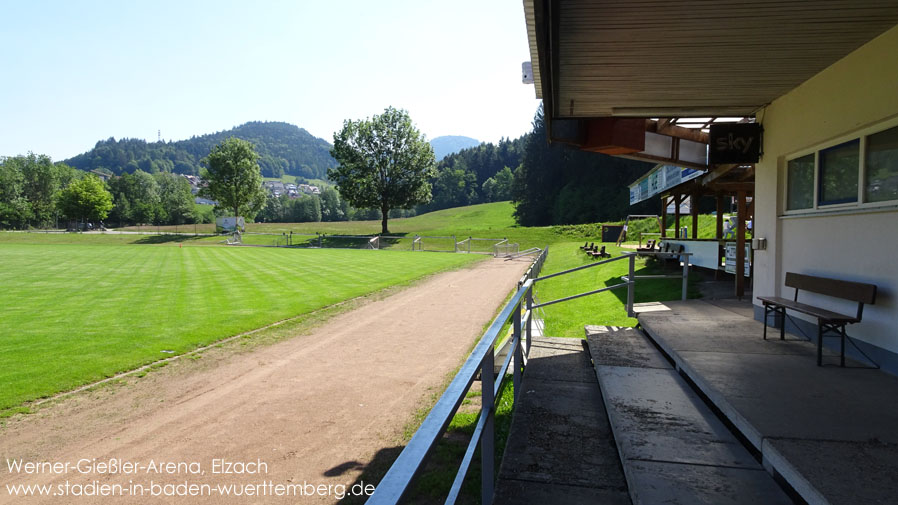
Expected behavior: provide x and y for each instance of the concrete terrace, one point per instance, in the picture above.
(560, 449)
(697, 408)
(829, 432)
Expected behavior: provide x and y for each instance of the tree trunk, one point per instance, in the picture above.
(385, 211)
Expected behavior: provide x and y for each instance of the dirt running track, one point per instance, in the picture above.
(297, 409)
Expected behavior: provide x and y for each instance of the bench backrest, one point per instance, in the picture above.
(855, 291)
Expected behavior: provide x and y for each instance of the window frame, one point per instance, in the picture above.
(818, 168)
(861, 204)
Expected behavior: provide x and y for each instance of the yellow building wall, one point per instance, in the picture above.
(857, 92)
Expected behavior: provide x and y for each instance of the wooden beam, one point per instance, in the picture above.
(732, 187)
(717, 173)
(663, 127)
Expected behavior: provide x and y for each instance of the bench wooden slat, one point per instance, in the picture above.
(848, 290)
(826, 315)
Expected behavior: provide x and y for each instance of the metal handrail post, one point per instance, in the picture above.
(518, 351)
(469, 245)
(685, 277)
(488, 437)
(529, 331)
(631, 284)
(454, 242)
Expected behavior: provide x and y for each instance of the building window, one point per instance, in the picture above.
(800, 183)
(881, 172)
(839, 173)
(859, 172)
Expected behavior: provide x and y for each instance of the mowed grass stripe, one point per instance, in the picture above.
(73, 314)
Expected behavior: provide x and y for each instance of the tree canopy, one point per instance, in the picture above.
(85, 199)
(384, 163)
(28, 186)
(233, 177)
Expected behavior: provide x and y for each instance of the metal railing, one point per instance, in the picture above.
(399, 478)
(682, 257)
(629, 279)
(520, 310)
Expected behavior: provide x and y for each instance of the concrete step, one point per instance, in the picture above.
(672, 447)
(560, 449)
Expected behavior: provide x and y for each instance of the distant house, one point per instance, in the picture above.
(195, 182)
(102, 175)
(309, 190)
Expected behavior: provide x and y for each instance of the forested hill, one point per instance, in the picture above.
(448, 144)
(283, 149)
(479, 174)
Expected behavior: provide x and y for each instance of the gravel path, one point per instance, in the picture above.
(313, 409)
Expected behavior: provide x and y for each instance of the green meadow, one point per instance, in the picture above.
(567, 319)
(72, 313)
(488, 220)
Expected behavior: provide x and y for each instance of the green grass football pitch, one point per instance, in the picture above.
(71, 314)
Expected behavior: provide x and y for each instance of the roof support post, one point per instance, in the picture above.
(693, 208)
(740, 244)
(718, 234)
(677, 214)
(663, 216)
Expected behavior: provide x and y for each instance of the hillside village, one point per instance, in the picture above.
(278, 188)
(274, 188)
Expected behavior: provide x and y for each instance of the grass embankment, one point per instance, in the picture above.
(567, 319)
(73, 314)
(489, 220)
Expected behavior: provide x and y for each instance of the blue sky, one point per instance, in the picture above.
(75, 72)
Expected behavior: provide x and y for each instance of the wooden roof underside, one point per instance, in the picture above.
(660, 58)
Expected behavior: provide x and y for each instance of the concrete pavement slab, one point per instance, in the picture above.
(561, 361)
(789, 396)
(657, 417)
(516, 492)
(560, 449)
(623, 347)
(866, 473)
(677, 484)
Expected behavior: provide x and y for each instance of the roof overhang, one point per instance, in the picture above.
(650, 59)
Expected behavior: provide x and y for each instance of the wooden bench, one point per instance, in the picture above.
(595, 253)
(827, 321)
(649, 247)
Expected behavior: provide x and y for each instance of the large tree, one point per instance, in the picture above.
(385, 163)
(234, 178)
(85, 199)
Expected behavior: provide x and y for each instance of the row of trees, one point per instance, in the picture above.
(479, 174)
(162, 198)
(556, 184)
(37, 193)
(29, 191)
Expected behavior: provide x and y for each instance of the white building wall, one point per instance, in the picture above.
(854, 94)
